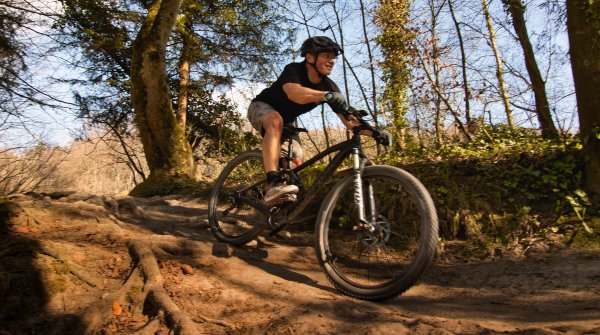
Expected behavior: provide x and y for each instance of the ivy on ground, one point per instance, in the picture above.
(508, 188)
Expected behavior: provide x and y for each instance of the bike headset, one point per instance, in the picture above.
(317, 45)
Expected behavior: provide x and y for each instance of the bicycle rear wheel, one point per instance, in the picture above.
(233, 220)
(382, 262)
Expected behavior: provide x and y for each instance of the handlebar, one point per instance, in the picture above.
(358, 112)
(365, 125)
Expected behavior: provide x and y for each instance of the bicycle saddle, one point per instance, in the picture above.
(289, 131)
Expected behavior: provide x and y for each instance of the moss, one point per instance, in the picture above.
(582, 239)
(56, 285)
(169, 185)
(479, 248)
(310, 174)
(133, 294)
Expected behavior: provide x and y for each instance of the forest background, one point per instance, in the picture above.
(492, 104)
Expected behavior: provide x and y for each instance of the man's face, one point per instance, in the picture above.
(325, 62)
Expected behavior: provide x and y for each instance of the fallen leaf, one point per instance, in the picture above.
(187, 269)
(117, 310)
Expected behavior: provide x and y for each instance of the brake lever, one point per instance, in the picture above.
(364, 125)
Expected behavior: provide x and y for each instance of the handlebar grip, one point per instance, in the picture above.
(358, 113)
(380, 137)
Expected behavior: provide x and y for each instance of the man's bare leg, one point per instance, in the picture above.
(271, 149)
(273, 126)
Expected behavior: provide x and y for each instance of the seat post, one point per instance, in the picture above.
(285, 161)
(288, 133)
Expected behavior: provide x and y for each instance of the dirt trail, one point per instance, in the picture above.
(105, 265)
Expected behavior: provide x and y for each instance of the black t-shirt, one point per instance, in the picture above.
(276, 97)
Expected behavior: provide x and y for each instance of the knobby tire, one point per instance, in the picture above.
(380, 265)
(231, 221)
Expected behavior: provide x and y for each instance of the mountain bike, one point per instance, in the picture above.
(376, 229)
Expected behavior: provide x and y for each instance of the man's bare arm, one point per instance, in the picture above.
(302, 95)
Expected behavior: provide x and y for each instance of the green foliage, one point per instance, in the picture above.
(11, 51)
(595, 132)
(587, 239)
(99, 29)
(592, 10)
(16, 95)
(396, 40)
(222, 40)
(310, 174)
(506, 188)
(214, 128)
(579, 202)
(242, 36)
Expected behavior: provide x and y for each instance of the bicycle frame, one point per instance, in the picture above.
(344, 149)
(372, 242)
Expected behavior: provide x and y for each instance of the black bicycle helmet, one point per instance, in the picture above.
(317, 44)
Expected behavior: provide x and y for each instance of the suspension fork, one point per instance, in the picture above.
(358, 190)
(365, 203)
(371, 199)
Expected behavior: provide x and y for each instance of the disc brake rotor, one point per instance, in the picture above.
(377, 237)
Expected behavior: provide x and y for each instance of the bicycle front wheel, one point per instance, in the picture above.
(384, 256)
(231, 217)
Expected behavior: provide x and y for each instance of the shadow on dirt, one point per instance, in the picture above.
(506, 290)
(22, 291)
(523, 291)
(257, 257)
(502, 290)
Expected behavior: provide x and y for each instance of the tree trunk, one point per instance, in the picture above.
(396, 40)
(167, 150)
(463, 61)
(583, 24)
(461, 126)
(435, 54)
(499, 66)
(371, 63)
(517, 11)
(325, 129)
(184, 77)
(341, 43)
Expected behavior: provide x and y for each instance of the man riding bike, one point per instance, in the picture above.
(300, 88)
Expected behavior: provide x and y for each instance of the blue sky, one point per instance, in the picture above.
(58, 125)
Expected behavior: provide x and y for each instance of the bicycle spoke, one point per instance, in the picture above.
(235, 214)
(381, 254)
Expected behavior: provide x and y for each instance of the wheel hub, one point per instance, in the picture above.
(377, 234)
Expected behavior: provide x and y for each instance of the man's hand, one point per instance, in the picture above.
(336, 101)
(383, 138)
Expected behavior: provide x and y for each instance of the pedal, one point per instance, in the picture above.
(277, 229)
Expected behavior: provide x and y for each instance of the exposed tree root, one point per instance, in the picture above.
(95, 316)
(142, 298)
(151, 328)
(127, 210)
(202, 318)
(58, 251)
(142, 290)
(180, 322)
